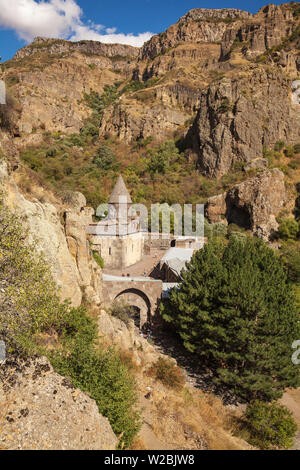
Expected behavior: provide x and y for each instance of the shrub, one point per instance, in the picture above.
(51, 152)
(297, 148)
(99, 260)
(123, 311)
(99, 373)
(279, 146)
(168, 373)
(288, 229)
(293, 164)
(289, 152)
(105, 157)
(161, 158)
(271, 426)
(269, 155)
(28, 300)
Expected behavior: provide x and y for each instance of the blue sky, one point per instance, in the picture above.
(126, 21)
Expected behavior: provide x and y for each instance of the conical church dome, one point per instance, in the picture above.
(120, 190)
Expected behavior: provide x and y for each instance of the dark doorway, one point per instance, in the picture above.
(136, 315)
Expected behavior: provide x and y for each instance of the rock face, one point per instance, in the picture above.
(41, 410)
(238, 116)
(203, 25)
(50, 76)
(60, 46)
(209, 64)
(221, 80)
(126, 337)
(252, 205)
(64, 245)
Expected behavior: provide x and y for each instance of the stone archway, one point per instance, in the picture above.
(139, 301)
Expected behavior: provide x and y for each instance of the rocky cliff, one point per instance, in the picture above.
(58, 231)
(221, 78)
(253, 205)
(232, 71)
(40, 410)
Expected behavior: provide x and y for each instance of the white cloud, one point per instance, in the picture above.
(59, 19)
(85, 32)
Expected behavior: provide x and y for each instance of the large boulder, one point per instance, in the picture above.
(41, 410)
(253, 204)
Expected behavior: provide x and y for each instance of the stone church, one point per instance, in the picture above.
(117, 238)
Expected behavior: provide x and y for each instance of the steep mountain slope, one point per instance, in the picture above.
(223, 84)
(48, 79)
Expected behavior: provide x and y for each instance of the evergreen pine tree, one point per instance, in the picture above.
(236, 310)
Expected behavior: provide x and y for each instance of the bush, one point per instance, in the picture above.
(161, 158)
(289, 152)
(28, 301)
(297, 148)
(99, 373)
(122, 311)
(279, 146)
(168, 373)
(271, 426)
(51, 152)
(99, 260)
(105, 157)
(288, 229)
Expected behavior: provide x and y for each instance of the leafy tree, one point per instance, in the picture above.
(271, 426)
(236, 310)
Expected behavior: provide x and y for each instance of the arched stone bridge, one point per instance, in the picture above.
(143, 293)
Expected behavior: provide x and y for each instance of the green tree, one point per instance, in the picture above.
(271, 426)
(236, 310)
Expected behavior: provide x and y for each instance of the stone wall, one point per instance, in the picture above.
(143, 294)
(119, 252)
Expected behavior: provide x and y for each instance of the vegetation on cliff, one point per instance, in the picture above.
(30, 309)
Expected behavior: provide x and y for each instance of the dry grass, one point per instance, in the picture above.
(192, 420)
(127, 357)
(138, 444)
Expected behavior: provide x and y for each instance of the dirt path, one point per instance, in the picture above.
(146, 433)
(196, 376)
(291, 399)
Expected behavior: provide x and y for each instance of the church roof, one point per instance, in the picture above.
(119, 190)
